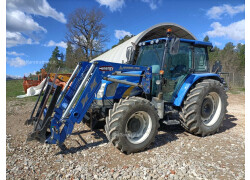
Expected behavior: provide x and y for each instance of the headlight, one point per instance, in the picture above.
(101, 91)
(158, 82)
(111, 89)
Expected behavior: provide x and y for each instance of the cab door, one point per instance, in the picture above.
(176, 69)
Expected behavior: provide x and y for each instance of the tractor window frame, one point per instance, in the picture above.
(206, 59)
(170, 60)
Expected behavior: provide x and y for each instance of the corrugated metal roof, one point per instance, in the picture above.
(118, 53)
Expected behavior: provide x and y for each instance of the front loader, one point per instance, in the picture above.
(168, 79)
(70, 106)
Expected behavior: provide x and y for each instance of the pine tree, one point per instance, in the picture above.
(70, 59)
(53, 63)
(206, 38)
(229, 57)
(241, 56)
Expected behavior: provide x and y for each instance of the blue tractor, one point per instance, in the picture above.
(168, 79)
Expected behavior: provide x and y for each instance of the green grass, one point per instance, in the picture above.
(15, 88)
(237, 90)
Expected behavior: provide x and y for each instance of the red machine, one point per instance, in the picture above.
(60, 81)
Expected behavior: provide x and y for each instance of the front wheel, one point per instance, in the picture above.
(132, 124)
(204, 108)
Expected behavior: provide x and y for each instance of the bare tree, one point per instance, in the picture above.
(86, 30)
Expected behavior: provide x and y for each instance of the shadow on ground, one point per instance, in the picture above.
(228, 123)
(167, 133)
(98, 135)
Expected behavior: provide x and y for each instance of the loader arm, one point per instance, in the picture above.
(73, 103)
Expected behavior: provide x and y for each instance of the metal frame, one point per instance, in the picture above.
(77, 100)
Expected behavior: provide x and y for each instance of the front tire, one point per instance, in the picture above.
(132, 124)
(204, 108)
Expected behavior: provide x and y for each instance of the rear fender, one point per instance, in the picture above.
(190, 81)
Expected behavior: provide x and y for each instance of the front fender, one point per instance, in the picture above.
(191, 79)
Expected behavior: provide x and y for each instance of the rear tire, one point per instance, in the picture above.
(132, 124)
(204, 108)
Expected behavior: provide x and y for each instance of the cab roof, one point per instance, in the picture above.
(195, 42)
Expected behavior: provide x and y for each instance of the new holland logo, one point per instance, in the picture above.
(106, 68)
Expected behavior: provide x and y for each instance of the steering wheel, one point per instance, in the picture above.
(178, 70)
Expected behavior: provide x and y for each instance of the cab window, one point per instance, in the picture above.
(150, 55)
(200, 59)
(179, 64)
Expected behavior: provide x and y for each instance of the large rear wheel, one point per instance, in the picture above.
(132, 124)
(204, 108)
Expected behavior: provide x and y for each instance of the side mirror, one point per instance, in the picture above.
(174, 46)
(212, 49)
(217, 67)
(129, 53)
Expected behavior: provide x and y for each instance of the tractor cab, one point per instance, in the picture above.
(172, 60)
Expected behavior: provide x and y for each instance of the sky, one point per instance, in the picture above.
(34, 28)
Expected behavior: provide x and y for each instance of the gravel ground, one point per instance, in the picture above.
(175, 154)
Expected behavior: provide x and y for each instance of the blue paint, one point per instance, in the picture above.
(195, 42)
(191, 79)
(121, 88)
(102, 69)
(106, 69)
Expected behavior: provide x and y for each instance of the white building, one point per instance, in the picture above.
(118, 53)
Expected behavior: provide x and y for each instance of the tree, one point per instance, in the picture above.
(73, 56)
(125, 38)
(53, 63)
(206, 38)
(79, 55)
(241, 56)
(86, 31)
(232, 59)
(70, 59)
(229, 57)
(229, 47)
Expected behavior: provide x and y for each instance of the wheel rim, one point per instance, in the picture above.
(138, 127)
(211, 108)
